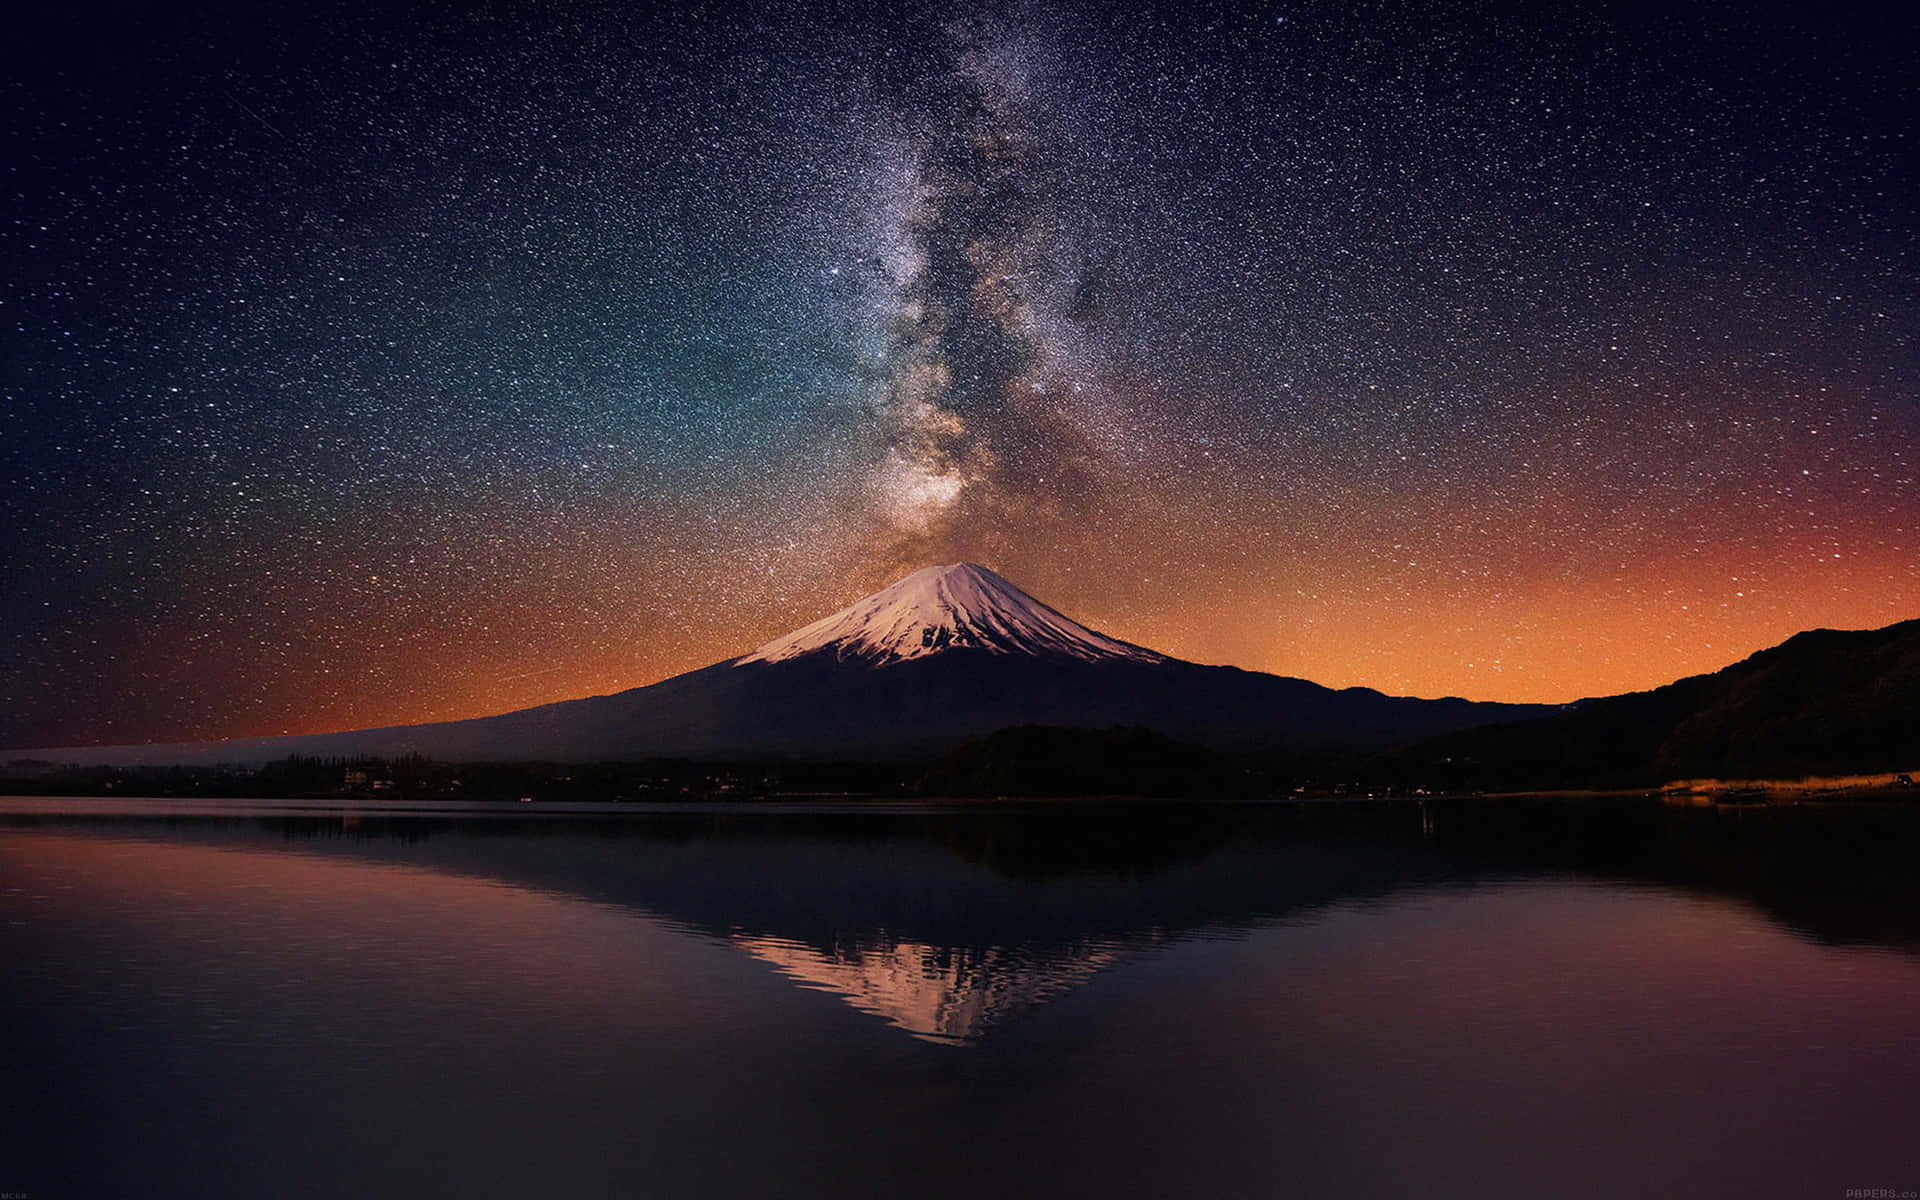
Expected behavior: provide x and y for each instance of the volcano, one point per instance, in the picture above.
(945, 655)
(958, 607)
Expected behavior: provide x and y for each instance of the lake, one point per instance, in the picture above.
(1449, 998)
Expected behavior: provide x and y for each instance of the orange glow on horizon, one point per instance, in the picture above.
(1414, 608)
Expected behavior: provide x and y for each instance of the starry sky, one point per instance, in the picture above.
(374, 363)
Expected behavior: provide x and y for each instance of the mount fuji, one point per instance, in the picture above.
(957, 607)
(945, 655)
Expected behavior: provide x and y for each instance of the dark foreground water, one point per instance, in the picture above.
(1352, 1001)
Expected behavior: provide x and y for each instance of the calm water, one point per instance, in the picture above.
(1346, 1001)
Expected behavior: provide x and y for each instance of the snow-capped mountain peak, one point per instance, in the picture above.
(935, 609)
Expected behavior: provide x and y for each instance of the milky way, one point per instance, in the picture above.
(984, 430)
(367, 364)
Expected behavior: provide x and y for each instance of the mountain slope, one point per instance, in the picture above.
(1822, 702)
(943, 656)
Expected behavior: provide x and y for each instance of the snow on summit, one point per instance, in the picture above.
(944, 608)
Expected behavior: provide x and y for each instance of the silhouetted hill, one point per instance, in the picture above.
(1825, 702)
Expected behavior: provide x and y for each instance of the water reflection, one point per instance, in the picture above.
(1047, 1001)
(947, 994)
(946, 923)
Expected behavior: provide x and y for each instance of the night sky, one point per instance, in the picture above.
(366, 365)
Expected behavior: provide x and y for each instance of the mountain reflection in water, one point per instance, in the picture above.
(1383, 1000)
(947, 922)
(938, 993)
